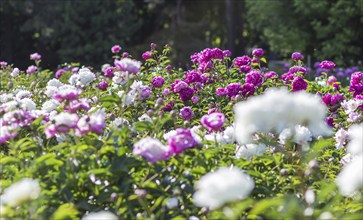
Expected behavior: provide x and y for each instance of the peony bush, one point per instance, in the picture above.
(226, 139)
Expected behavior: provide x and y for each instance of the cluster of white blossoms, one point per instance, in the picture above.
(277, 110)
(350, 179)
(224, 185)
(83, 78)
(24, 190)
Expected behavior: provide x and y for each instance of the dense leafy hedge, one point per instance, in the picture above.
(226, 139)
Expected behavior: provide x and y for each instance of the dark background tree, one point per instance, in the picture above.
(84, 30)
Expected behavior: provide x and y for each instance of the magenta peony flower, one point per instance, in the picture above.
(59, 73)
(244, 68)
(193, 76)
(109, 72)
(254, 77)
(244, 60)
(168, 67)
(299, 84)
(248, 89)
(356, 84)
(221, 92)
(146, 55)
(227, 53)
(331, 80)
(116, 49)
(182, 140)
(232, 89)
(102, 85)
(186, 93)
(158, 81)
(213, 121)
(258, 52)
(271, 74)
(195, 99)
(297, 56)
(327, 64)
(186, 113)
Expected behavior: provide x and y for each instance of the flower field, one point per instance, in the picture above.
(226, 139)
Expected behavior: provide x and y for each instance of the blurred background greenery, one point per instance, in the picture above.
(85, 30)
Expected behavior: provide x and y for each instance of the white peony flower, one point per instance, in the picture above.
(50, 91)
(23, 94)
(55, 83)
(340, 137)
(15, 72)
(224, 185)
(6, 97)
(85, 77)
(277, 110)
(249, 150)
(66, 119)
(25, 189)
(101, 215)
(145, 117)
(168, 135)
(27, 104)
(50, 105)
(302, 135)
(351, 105)
(118, 122)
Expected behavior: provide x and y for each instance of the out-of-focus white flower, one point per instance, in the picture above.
(152, 149)
(118, 122)
(50, 91)
(276, 110)
(340, 137)
(25, 189)
(101, 215)
(145, 117)
(346, 159)
(249, 150)
(50, 105)
(6, 97)
(326, 216)
(55, 83)
(309, 196)
(172, 203)
(66, 119)
(224, 185)
(169, 134)
(27, 104)
(302, 136)
(127, 99)
(355, 146)
(309, 211)
(23, 94)
(350, 179)
(15, 72)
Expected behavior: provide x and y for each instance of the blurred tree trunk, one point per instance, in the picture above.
(235, 24)
(230, 24)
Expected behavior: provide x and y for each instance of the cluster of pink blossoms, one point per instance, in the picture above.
(153, 150)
